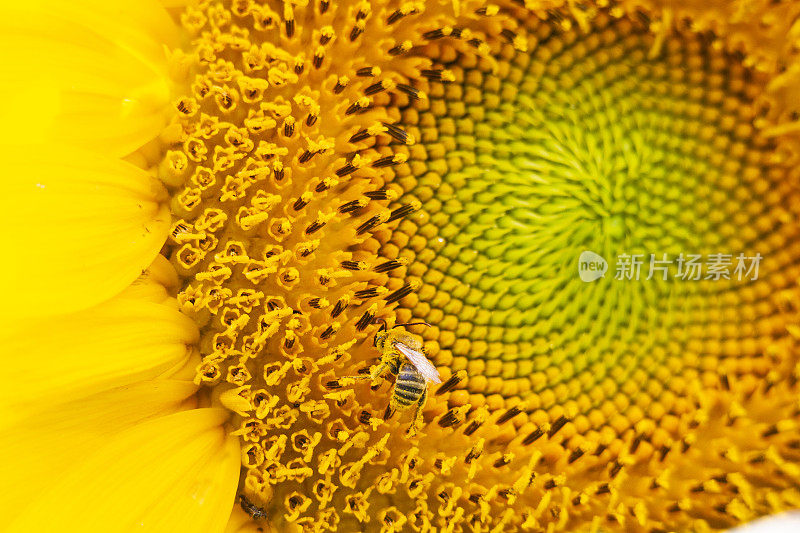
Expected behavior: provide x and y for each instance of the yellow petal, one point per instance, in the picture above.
(76, 228)
(49, 440)
(176, 3)
(154, 283)
(85, 72)
(175, 473)
(59, 359)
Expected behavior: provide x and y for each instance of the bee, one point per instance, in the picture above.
(402, 356)
(255, 512)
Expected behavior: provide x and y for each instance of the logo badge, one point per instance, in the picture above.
(591, 266)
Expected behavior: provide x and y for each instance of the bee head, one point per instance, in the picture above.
(380, 339)
(383, 331)
(380, 335)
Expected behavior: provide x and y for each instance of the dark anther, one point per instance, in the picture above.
(359, 136)
(533, 437)
(432, 74)
(409, 90)
(375, 88)
(350, 206)
(400, 293)
(377, 195)
(636, 442)
(345, 170)
(450, 384)
(662, 453)
(338, 308)
(299, 204)
(383, 161)
(327, 333)
(372, 292)
(505, 493)
(396, 132)
(401, 211)
(615, 469)
(433, 34)
(368, 225)
(351, 265)
(314, 226)
(508, 415)
(353, 108)
(508, 34)
(770, 431)
(600, 449)
(575, 455)
(364, 321)
(557, 425)
(471, 456)
(501, 462)
(472, 428)
(387, 266)
(448, 419)
(394, 17)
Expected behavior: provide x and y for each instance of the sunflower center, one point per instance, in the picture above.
(333, 161)
(621, 142)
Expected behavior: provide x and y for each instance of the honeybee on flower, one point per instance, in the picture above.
(403, 356)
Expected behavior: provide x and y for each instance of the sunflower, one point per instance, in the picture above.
(210, 208)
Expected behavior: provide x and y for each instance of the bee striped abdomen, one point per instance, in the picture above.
(409, 385)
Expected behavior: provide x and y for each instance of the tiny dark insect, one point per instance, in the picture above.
(255, 512)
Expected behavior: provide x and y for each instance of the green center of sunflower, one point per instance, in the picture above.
(613, 141)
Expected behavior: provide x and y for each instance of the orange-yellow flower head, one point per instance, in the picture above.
(334, 163)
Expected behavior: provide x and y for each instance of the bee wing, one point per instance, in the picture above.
(422, 363)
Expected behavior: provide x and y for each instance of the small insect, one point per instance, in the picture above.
(402, 355)
(255, 512)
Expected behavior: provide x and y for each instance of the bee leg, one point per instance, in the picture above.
(373, 375)
(389, 412)
(412, 430)
(378, 371)
(358, 376)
